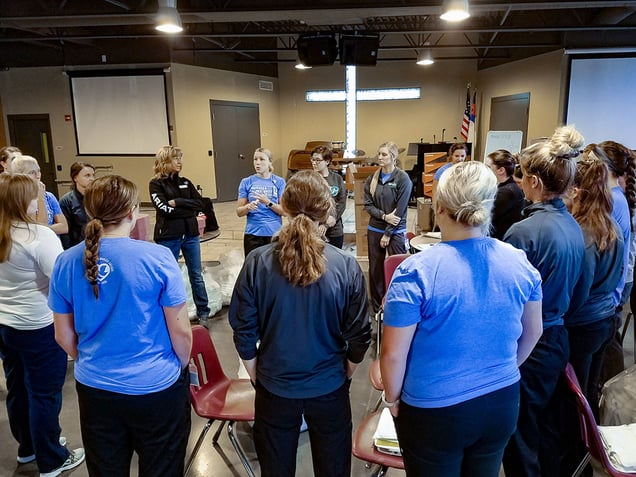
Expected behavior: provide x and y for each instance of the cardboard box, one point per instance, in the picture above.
(425, 215)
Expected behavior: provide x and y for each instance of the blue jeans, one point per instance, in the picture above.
(465, 439)
(35, 369)
(191, 249)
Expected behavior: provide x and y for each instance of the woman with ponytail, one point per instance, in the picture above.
(34, 365)
(120, 312)
(459, 319)
(306, 303)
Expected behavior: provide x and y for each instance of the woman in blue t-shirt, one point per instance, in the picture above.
(259, 199)
(460, 317)
(120, 313)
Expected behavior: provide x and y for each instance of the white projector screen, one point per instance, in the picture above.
(602, 99)
(120, 115)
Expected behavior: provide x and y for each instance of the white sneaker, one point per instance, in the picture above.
(31, 458)
(76, 458)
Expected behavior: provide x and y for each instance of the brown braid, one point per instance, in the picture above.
(93, 232)
(622, 163)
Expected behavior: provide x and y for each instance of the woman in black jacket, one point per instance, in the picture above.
(177, 203)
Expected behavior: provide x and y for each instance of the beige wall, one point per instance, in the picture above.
(542, 76)
(193, 87)
(47, 91)
(443, 88)
(288, 121)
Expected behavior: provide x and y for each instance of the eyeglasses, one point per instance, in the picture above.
(316, 160)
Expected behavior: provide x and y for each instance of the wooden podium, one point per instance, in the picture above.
(431, 157)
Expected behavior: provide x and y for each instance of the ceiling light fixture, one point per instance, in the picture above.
(300, 66)
(168, 19)
(455, 10)
(425, 58)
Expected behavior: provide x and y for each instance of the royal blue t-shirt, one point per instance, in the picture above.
(263, 221)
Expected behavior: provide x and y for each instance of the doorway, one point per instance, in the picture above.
(510, 113)
(32, 134)
(236, 134)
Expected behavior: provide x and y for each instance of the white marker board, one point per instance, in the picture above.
(508, 140)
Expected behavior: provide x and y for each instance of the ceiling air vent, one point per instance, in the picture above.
(265, 85)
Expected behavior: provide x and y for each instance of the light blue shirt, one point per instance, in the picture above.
(263, 221)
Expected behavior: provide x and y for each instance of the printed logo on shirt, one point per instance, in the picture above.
(334, 190)
(104, 268)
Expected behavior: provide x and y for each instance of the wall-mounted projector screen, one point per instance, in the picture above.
(119, 114)
(602, 99)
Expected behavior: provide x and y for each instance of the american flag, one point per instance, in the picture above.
(466, 118)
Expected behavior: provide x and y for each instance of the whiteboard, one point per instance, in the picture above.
(508, 140)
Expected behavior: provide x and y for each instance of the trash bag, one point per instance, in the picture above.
(215, 298)
(618, 402)
(228, 271)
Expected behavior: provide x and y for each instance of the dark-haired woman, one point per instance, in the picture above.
(332, 229)
(509, 200)
(72, 203)
(120, 312)
(306, 304)
(553, 243)
(34, 365)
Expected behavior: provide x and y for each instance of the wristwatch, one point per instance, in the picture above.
(270, 204)
(387, 403)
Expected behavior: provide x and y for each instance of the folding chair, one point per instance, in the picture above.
(217, 397)
(363, 447)
(390, 264)
(589, 430)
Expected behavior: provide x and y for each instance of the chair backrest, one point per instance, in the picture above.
(589, 429)
(203, 355)
(390, 264)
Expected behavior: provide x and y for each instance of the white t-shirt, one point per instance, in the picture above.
(24, 277)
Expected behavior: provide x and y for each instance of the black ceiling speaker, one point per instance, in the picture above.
(359, 50)
(317, 49)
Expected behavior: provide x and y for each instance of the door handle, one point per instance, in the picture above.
(242, 157)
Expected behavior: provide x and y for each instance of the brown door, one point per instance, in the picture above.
(510, 113)
(32, 134)
(236, 134)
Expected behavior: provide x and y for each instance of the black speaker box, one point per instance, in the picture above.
(317, 49)
(359, 50)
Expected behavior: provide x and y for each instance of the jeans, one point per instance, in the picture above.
(465, 439)
(277, 427)
(191, 248)
(35, 369)
(155, 425)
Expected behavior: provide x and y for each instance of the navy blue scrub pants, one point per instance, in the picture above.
(377, 254)
(277, 427)
(466, 439)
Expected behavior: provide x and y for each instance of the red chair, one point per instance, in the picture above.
(363, 447)
(217, 397)
(589, 430)
(390, 264)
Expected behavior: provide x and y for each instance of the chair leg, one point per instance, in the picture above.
(238, 449)
(197, 446)
(218, 432)
(581, 467)
(378, 318)
(382, 470)
(628, 318)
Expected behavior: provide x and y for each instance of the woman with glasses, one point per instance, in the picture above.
(259, 200)
(386, 199)
(332, 228)
(177, 203)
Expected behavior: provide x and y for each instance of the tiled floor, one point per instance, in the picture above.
(220, 461)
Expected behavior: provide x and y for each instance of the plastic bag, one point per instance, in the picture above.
(228, 271)
(215, 298)
(618, 404)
